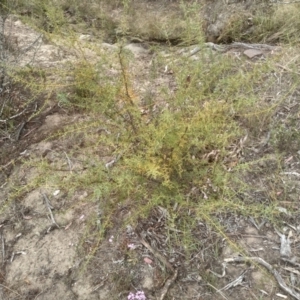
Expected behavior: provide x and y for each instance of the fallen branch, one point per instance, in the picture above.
(167, 285)
(157, 255)
(236, 45)
(274, 272)
(171, 280)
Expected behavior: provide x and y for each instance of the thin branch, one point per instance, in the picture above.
(280, 2)
(274, 272)
(167, 285)
(3, 249)
(290, 173)
(157, 255)
(287, 69)
(19, 130)
(49, 209)
(234, 283)
(6, 287)
(218, 291)
(69, 162)
(290, 261)
(171, 280)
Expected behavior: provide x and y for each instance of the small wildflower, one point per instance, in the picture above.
(131, 246)
(139, 295)
(111, 239)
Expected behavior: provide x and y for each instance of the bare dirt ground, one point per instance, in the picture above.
(44, 249)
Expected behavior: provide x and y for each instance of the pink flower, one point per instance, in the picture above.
(139, 295)
(131, 246)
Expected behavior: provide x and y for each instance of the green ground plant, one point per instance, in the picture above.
(173, 157)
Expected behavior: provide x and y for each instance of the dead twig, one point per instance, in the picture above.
(218, 291)
(280, 2)
(223, 271)
(167, 285)
(6, 287)
(3, 249)
(157, 255)
(14, 116)
(236, 282)
(38, 295)
(224, 48)
(287, 69)
(19, 130)
(172, 279)
(290, 261)
(69, 162)
(290, 173)
(274, 272)
(50, 207)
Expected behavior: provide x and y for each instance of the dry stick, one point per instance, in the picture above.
(275, 273)
(291, 262)
(3, 249)
(157, 255)
(235, 282)
(224, 48)
(223, 271)
(290, 173)
(19, 130)
(170, 281)
(42, 292)
(287, 69)
(167, 285)
(24, 136)
(16, 115)
(279, 2)
(6, 287)
(2, 108)
(218, 291)
(69, 161)
(49, 208)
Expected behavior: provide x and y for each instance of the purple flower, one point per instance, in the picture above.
(139, 295)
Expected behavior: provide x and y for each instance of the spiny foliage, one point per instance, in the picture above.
(167, 153)
(160, 154)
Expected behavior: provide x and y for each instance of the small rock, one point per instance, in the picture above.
(109, 46)
(85, 38)
(250, 53)
(55, 193)
(136, 49)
